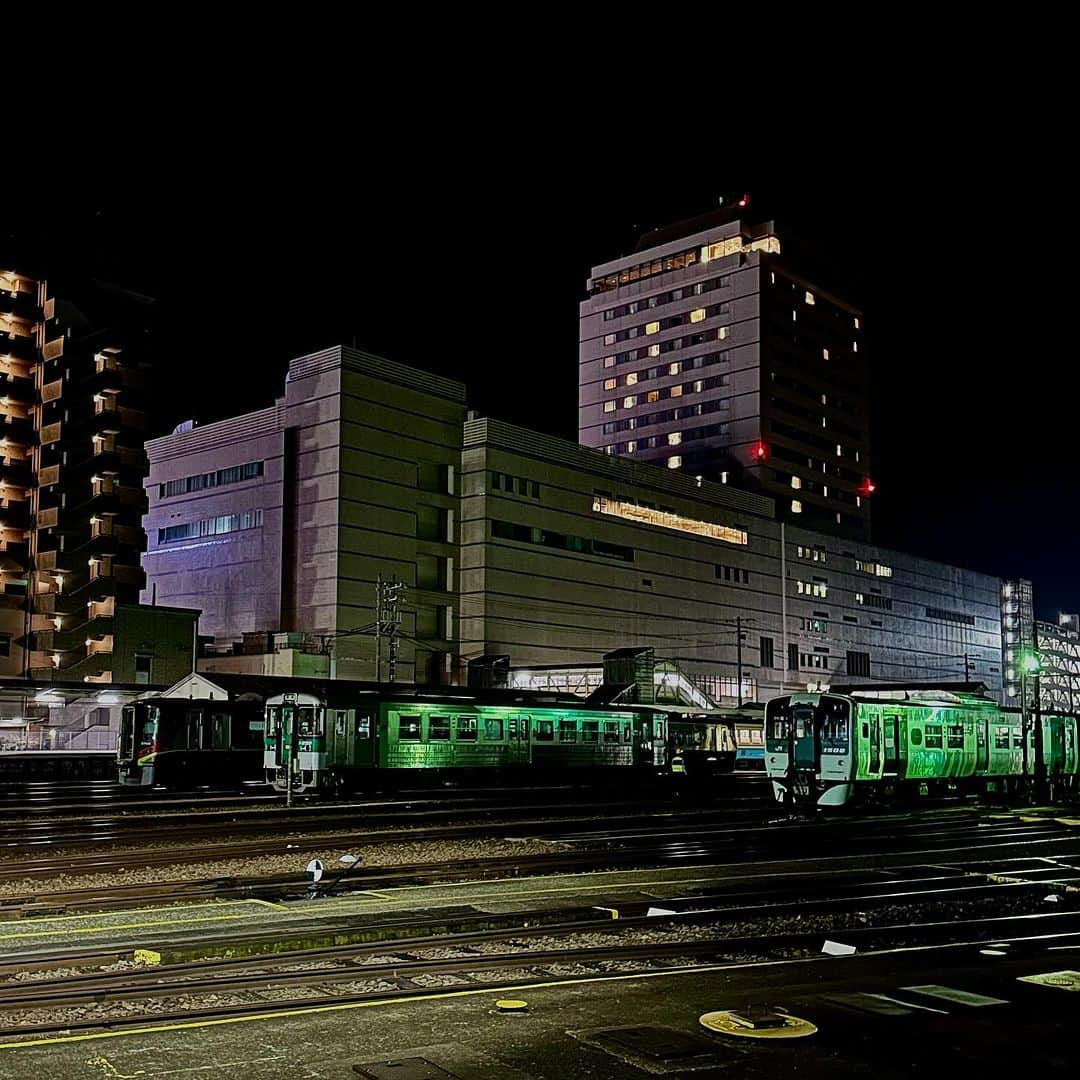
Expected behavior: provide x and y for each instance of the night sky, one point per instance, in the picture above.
(477, 274)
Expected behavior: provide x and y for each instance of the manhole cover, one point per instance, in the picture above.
(414, 1068)
(663, 1043)
(732, 1023)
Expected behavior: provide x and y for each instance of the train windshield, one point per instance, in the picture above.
(828, 718)
(148, 731)
(307, 718)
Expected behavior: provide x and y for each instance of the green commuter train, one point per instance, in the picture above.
(832, 749)
(344, 737)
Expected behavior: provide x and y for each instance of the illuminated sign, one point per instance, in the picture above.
(646, 515)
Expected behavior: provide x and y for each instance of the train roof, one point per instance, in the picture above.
(223, 686)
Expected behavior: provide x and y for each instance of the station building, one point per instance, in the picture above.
(279, 523)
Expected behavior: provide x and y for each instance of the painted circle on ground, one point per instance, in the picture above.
(511, 1005)
(724, 1023)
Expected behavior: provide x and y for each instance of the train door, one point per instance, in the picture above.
(982, 745)
(875, 746)
(127, 734)
(806, 736)
(286, 733)
(517, 737)
(1055, 759)
(892, 745)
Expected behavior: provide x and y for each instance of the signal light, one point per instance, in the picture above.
(743, 202)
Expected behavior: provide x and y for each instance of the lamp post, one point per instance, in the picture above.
(1031, 665)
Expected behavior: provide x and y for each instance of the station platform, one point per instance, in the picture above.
(17, 766)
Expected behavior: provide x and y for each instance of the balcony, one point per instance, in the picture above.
(48, 519)
(52, 391)
(49, 475)
(50, 433)
(54, 349)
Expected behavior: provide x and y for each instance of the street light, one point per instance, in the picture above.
(1031, 665)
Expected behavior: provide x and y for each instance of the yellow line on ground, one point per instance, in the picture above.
(440, 995)
(57, 931)
(179, 907)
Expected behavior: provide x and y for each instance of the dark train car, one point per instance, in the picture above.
(185, 743)
(701, 743)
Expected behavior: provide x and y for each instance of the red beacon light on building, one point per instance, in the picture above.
(761, 452)
(743, 202)
(869, 487)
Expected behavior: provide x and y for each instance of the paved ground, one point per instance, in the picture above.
(971, 1016)
(956, 1010)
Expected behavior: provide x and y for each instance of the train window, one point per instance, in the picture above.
(1018, 739)
(567, 731)
(439, 728)
(340, 722)
(307, 721)
(409, 728)
(363, 727)
(220, 723)
(611, 731)
(1001, 738)
(780, 727)
(626, 736)
(493, 729)
(273, 720)
(466, 728)
(955, 735)
(512, 727)
(193, 730)
(545, 730)
(933, 736)
(916, 737)
(590, 731)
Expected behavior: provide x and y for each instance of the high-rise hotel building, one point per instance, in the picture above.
(72, 425)
(707, 352)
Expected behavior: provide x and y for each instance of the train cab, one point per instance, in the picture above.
(810, 749)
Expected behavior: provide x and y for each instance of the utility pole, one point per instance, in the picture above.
(388, 597)
(967, 668)
(738, 658)
(395, 593)
(378, 627)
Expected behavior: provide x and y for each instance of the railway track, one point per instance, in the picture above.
(491, 959)
(668, 836)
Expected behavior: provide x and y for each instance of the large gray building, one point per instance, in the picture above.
(513, 542)
(706, 352)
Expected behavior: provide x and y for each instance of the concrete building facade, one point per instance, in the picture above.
(706, 352)
(284, 519)
(513, 542)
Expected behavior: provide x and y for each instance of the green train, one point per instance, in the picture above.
(342, 737)
(832, 749)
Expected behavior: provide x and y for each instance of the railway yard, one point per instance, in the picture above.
(530, 933)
